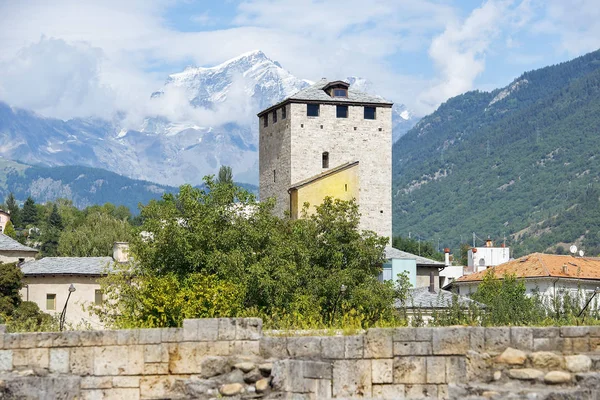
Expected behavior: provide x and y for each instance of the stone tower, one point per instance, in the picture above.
(329, 140)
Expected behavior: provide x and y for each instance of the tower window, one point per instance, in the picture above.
(283, 112)
(312, 110)
(346, 187)
(325, 159)
(273, 175)
(340, 93)
(274, 116)
(370, 113)
(266, 120)
(341, 111)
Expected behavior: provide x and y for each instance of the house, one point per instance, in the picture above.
(13, 251)
(48, 282)
(481, 258)
(420, 269)
(550, 275)
(328, 140)
(424, 301)
(4, 218)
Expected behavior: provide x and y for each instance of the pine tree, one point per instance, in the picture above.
(9, 230)
(13, 209)
(55, 220)
(30, 215)
(225, 175)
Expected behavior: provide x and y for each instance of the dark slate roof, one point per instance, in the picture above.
(67, 266)
(315, 93)
(392, 252)
(424, 299)
(9, 244)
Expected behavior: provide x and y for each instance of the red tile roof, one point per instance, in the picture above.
(544, 265)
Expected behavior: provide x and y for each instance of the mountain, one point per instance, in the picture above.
(520, 161)
(84, 186)
(215, 124)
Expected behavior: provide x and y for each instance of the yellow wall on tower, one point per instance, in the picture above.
(341, 184)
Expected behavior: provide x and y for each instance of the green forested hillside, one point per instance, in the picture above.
(522, 161)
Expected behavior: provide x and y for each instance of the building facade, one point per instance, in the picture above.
(4, 218)
(12, 251)
(482, 258)
(324, 127)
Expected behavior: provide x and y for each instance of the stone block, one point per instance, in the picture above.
(245, 347)
(388, 392)
(184, 358)
(436, 369)
(378, 343)
(456, 369)
(450, 341)
(28, 340)
(156, 386)
(109, 338)
(421, 391)
(273, 347)
(59, 360)
(288, 376)
(128, 337)
(477, 338)
(322, 388)
(547, 360)
(208, 329)
(578, 363)
(443, 392)
(405, 334)
(316, 370)
(424, 334)
(20, 358)
(521, 338)
(545, 333)
(410, 370)
(156, 369)
(219, 348)
(497, 339)
(118, 360)
(6, 360)
(190, 330)
(549, 344)
(96, 382)
(332, 347)
(352, 378)
(594, 331)
(412, 349)
(227, 328)
(67, 339)
(81, 360)
(46, 339)
(91, 338)
(382, 371)
(39, 358)
(156, 353)
(512, 356)
(580, 344)
(353, 346)
(11, 340)
(574, 331)
(126, 381)
(171, 335)
(120, 394)
(150, 336)
(248, 329)
(304, 347)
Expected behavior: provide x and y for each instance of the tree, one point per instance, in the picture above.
(9, 230)
(55, 220)
(30, 212)
(94, 237)
(13, 209)
(225, 175)
(10, 283)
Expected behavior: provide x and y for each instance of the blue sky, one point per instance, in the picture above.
(69, 58)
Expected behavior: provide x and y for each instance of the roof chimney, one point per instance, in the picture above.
(488, 242)
(447, 257)
(121, 252)
(431, 282)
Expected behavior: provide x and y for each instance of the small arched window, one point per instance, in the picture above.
(325, 159)
(482, 262)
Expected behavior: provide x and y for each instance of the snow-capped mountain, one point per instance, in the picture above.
(216, 125)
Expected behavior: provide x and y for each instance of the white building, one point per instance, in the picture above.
(550, 275)
(481, 258)
(12, 251)
(4, 218)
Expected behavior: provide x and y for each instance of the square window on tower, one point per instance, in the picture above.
(341, 111)
(312, 110)
(370, 113)
(325, 159)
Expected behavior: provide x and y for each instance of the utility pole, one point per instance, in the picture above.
(473, 239)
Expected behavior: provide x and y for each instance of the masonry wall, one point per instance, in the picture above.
(12, 256)
(213, 358)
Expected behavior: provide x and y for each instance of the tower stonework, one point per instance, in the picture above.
(324, 129)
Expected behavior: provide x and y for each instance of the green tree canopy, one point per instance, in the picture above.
(225, 175)
(13, 208)
(9, 230)
(30, 212)
(10, 283)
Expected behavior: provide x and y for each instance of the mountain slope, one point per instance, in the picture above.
(507, 162)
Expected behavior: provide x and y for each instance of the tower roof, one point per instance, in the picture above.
(316, 93)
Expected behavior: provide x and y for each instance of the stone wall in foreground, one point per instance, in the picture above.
(231, 358)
